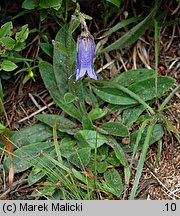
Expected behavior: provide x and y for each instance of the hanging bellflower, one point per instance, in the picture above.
(85, 55)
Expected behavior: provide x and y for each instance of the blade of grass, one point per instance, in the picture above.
(95, 159)
(87, 182)
(9, 146)
(121, 25)
(56, 175)
(42, 167)
(60, 165)
(56, 144)
(173, 129)
(168, 98)
(69, 185)
(127, 176)
(156, 57)
(172, 105)
(81, 177)
(141, 162)
(158, 152)
(134, 151)
(132, 35)
(138, 140)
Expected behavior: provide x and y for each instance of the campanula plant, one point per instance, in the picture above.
(85, 54)
(86, 148)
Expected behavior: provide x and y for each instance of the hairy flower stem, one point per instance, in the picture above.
(84, 26)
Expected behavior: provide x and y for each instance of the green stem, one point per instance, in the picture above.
(66, 9)
(80, 102)
(84, 25)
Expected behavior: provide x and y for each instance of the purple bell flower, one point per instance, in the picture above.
(85, 57)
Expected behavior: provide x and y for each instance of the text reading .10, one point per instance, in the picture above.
(170, 206)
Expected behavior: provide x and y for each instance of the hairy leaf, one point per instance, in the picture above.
(91, 138)
(32, 134)
(63, 58)
(27, 156)
(62, 124)
(133, 76)
(114, 182)
(115, 128)
(131, 114)
(145, 89)
(157, 134)
(47, 74)
(5, 29)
